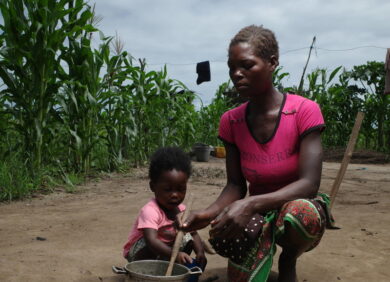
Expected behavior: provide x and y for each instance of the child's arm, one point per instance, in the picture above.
(199, 250)
(160, 248)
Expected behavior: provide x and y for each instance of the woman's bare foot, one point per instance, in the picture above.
(208, 248)
(287, 268)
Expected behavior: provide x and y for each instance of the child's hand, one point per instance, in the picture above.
(183, 258)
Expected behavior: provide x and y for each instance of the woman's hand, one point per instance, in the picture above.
(232, 220)
(195, 221)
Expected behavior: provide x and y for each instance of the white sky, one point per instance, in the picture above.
(182, 33)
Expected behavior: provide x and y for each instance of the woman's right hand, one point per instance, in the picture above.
(196, 220)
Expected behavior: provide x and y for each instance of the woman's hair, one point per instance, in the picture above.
(169, 158)
(261, 39)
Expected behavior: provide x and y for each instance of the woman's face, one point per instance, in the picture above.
(170, 188)
(251, 75)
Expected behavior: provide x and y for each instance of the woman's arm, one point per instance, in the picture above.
(310, 168)
(235, 189)
(235, 217)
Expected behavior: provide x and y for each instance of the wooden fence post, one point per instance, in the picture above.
(346, 158)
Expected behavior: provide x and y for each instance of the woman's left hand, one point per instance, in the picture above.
(232, 220)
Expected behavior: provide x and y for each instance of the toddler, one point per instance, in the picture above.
(153, 233)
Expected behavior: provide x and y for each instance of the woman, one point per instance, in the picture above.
(273, 143)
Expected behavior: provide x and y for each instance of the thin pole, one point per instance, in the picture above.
(304, 69)
(346, 158)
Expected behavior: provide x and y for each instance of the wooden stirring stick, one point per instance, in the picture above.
(179, 237)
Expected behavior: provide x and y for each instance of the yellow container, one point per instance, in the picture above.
(220, 152)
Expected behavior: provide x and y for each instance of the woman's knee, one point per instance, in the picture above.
(300, 225)
(306, 216)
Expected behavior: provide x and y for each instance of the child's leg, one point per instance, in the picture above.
(187, 244)
(140, 251)
(187, 247)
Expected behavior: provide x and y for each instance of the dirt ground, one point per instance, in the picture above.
(78, 237)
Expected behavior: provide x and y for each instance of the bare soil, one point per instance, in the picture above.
(79, 236)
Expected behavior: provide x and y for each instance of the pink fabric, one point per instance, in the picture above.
(272, 165)
(151, 216)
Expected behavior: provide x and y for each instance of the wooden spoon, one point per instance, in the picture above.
(179, 237)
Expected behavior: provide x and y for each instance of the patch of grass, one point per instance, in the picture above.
(72, 180)
(15, 180)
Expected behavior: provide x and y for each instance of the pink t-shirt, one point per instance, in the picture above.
(273, 164)
(152, 216)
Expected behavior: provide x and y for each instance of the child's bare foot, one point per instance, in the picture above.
(287, 268)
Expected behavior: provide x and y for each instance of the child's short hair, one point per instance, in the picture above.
(169, 158)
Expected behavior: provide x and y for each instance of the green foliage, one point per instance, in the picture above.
(208, 121)
(15, 182)
(277, 79)
(341, 100)
(339, 104)
(34, 33)
(371, 78)
(162, 112)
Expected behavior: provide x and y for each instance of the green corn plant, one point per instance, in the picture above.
(161, 109)
(210, 115)
(79, 97)
(33, 34)
(278, 77)
(80, 100)
(116, 100)
(174, 101)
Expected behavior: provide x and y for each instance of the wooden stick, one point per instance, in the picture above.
(179, 237)
(346, 158)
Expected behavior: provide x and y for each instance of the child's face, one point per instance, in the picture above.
(170, 188)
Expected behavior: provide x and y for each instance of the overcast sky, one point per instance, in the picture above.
(181, 33)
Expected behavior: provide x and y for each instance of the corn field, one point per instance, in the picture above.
(69, 110)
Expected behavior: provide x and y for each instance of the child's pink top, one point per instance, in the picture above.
(152, 216)
(271, 165)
